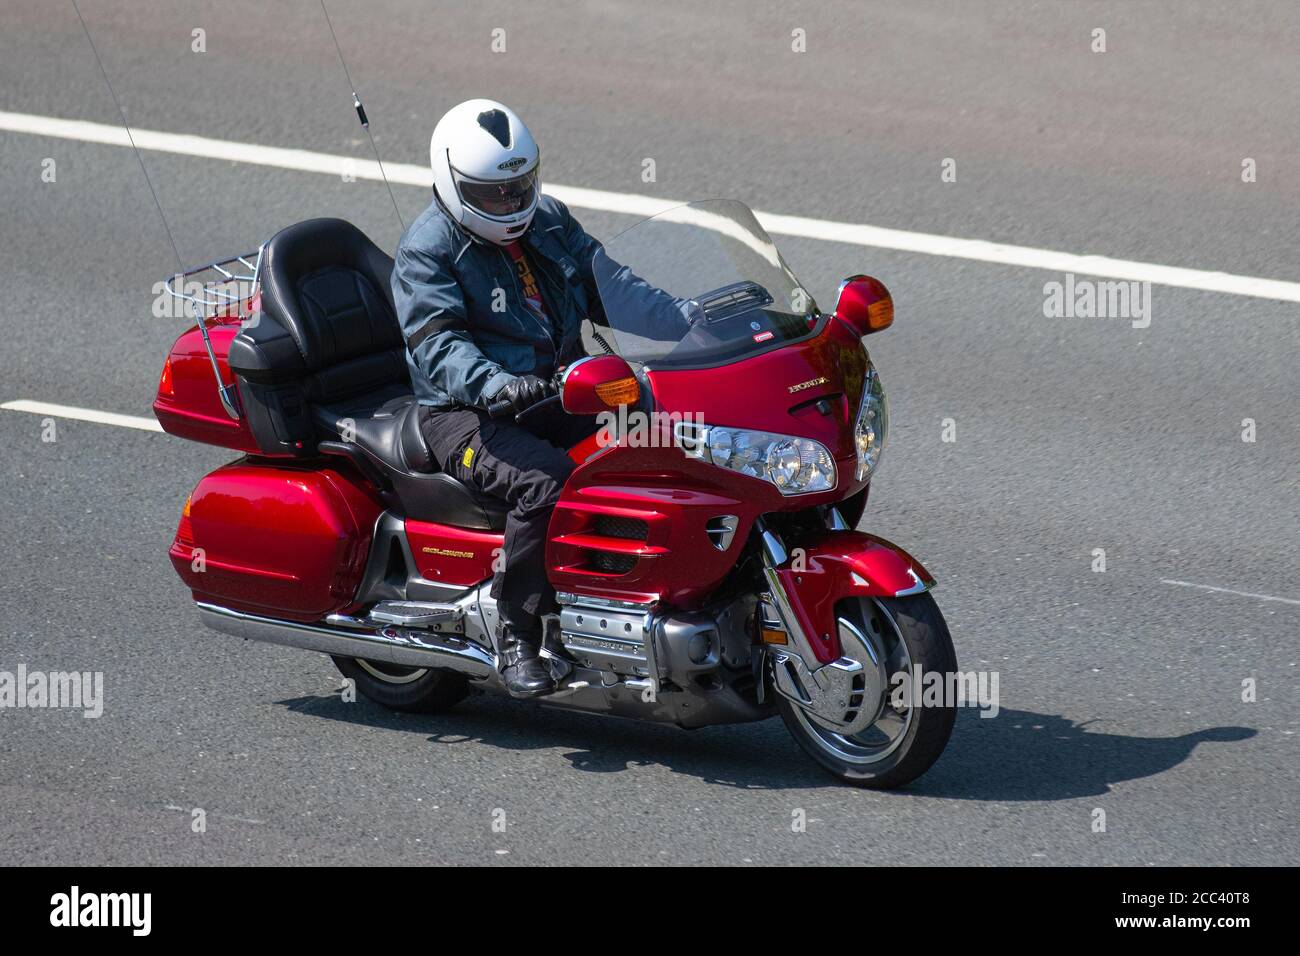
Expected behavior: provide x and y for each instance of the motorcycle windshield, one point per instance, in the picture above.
(699, 285)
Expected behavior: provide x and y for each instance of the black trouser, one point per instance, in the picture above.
(526, 465)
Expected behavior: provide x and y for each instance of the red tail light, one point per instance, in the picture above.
(165, 383)
(185, 531)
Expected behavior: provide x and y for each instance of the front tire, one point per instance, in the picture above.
(910, 635)
(413, 689)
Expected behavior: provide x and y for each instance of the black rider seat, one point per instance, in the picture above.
(389, 435)
(333, 345)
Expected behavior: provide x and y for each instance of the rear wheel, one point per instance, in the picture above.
(416, 689)
(907, 637)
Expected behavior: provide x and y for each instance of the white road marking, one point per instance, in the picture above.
(631, 204)
(83, 414)
(1247, 594)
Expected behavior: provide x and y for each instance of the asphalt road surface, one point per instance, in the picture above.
(1119, 691)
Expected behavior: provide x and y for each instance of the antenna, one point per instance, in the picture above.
(361, 114)
(180, 266)
(226, 392)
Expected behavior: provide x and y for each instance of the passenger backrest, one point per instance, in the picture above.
(327, 333)
(327, 284)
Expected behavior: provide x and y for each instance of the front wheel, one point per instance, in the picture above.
(417, 689)
(909, 638)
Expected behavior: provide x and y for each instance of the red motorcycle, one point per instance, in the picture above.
(703, 551)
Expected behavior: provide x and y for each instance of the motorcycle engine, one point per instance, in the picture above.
(633, 643)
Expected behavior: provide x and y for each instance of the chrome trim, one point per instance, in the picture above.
(826, 687)
(693, 439)
(445, 618)
(844, 282)
(217, 295)
(649, 620)
(919, 586)
(344, 620)
(651, 655)
(825, 693)
(565, 377)
(835, 521)
(871, 374)
(393, 645)
(774, 549)
(789, 621)
(721, 529)
(841, 743)
(568, 597)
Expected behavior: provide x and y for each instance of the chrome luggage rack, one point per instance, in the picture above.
(215, 289)
(222, 289)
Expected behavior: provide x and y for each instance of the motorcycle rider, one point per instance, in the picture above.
(491, 285)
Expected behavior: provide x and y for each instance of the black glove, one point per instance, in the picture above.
(524, 392)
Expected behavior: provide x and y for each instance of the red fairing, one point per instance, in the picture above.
(289, 542)
(670, 554)
(777, 391)
(666, 498)
(845, 564)
(449, 555)
(187, 404)
(585, 448)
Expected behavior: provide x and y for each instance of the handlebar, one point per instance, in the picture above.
(502, 408)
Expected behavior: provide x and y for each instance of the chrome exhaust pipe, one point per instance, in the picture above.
(394, 645)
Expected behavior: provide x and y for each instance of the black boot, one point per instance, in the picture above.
(524, 672)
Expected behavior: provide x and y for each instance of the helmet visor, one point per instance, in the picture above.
(498, 199)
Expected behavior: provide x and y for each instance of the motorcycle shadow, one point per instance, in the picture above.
(1020, 755)
(1017, 756)
(756, 756)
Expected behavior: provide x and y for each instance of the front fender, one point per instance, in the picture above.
(844, 564)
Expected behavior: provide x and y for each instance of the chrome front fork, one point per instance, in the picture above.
(833, 693)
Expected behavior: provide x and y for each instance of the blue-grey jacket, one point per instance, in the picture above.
(461, 351)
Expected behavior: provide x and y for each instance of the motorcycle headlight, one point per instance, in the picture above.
(872, 426)
(796, 466)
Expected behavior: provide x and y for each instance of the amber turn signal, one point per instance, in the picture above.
(880, 314)
(621, 391)
(865, 304)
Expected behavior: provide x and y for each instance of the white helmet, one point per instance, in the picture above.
(485, 169)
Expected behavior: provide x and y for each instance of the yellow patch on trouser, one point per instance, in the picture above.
(467, 458)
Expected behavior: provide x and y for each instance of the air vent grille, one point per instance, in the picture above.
(613, 526)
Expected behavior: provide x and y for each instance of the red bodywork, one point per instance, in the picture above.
(845, 564)
(290, 539)
(450, 555)
(283, 541)
(187, 404)
(676, 495)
